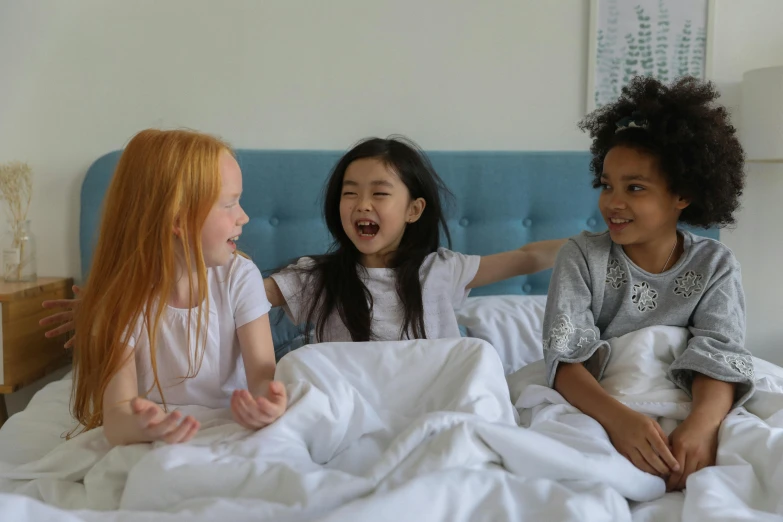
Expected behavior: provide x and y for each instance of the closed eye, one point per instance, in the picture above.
(349, 193)
(381, 194)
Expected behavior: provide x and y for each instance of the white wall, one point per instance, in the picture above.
(78, 78)
(748, 36)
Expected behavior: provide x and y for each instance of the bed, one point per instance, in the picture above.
(410, 430)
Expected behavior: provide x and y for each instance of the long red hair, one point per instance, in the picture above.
(164, 180)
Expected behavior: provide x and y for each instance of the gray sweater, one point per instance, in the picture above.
(598, 293)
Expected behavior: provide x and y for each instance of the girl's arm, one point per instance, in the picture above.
(716, 348)
(716, 368)
(129, 419)
(265, 399)
(712, 399)
(529, 259)
(258, 354)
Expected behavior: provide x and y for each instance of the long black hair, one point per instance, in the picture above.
(334, 283)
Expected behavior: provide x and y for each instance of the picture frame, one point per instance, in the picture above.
(661, 38)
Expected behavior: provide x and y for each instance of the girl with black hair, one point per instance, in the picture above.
(663, 155)
(385, 276)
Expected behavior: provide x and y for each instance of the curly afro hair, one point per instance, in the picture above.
(693, 139)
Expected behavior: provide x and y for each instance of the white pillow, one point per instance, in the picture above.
(510, 323)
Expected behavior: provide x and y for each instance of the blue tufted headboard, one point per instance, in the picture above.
(502, 200)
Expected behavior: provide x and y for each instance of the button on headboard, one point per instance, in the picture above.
(502, 200)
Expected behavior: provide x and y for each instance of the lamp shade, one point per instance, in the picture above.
(761, 114)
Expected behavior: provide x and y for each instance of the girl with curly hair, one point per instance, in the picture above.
(663, 155)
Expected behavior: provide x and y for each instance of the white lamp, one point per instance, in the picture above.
(761, 115)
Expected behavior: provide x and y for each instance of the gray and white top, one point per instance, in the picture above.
(598, 293)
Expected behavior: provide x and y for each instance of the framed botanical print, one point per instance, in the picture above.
(666, 39)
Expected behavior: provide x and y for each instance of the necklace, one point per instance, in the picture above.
(676, 240)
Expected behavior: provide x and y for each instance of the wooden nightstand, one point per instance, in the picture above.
(25, 354)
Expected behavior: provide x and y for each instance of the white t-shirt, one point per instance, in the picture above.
(444, 276)
(236, 297)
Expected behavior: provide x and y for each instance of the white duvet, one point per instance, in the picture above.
(413, 430)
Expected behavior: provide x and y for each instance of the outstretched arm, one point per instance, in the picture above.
(529, 259)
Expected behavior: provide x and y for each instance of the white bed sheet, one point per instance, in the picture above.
(415, 430)
(747, 484)
(35, 431)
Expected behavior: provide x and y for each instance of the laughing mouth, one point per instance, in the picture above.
(367, 228)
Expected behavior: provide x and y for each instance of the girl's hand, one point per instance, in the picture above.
(65, 317)
(155, 424)
(255, 413)
(695, 445)
(641, 440)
